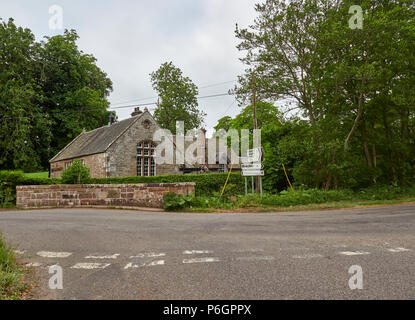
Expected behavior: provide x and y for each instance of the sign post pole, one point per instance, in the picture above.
(246, 188)
(260, 185)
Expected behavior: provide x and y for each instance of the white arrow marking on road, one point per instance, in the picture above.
(398, 249)
(200, 260)
(197, 251)
(114, 256)
(353, 253)
(49, 254)
(84, 265)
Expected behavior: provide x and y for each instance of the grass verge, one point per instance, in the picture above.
(12, 275)
(41, 175)
(308, 207)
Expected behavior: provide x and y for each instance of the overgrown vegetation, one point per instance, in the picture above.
(11, 274)
(174, 202)
(76, 173)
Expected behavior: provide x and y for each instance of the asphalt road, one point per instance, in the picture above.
(123, 254)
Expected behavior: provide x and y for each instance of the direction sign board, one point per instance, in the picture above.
(254, 155)
(252, 173)
(252, 165)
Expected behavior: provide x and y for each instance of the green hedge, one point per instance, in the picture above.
(10, 179)
(206, 184)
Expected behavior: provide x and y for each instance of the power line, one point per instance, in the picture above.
(155, 103)
(203, 87)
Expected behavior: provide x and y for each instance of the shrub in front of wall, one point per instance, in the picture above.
(76, 173)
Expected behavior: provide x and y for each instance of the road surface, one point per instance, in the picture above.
(124, 254)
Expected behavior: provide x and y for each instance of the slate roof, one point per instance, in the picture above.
(95, 141)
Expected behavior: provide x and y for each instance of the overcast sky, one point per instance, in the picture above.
(131, 39)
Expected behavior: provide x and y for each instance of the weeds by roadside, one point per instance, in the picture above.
(12, 275)
(285, 199)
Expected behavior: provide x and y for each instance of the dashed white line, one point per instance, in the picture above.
(398, 249)
(148, 255)
(50, 254)
(353, 253)
(248, 250)
(256, 258)
(197, 251)
(150, 264)
(114, 256)
(87, 265)
(308, 256)
(33, 264)
(201, 260)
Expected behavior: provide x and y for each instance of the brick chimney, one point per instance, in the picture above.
(136, 112)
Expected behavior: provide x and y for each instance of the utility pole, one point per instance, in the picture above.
(255, 122)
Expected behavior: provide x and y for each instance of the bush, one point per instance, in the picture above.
(76, 173)
(174, 202)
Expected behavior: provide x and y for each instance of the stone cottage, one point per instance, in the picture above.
(125, 148)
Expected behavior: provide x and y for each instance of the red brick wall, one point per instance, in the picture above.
(119, 195)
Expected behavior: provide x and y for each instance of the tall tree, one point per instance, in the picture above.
(75, 89)
(178, 98)
(24, 127)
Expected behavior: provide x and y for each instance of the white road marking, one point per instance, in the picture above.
(150, 264)
(398, 249)
(33, 264)
(87, 265)
(49, 254)
(249, 250)
(308, 256)
(114, 256)
(19, 251)
(200, 260)
(353, 253)
(148, 255)
(256, 258)
(197, 251)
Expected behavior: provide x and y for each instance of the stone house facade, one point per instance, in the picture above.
(125, 148)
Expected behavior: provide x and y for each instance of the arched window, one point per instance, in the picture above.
(146, 166)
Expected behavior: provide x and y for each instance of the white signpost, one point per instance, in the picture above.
(252, 167)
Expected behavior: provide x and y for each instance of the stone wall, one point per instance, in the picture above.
(108, 195)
